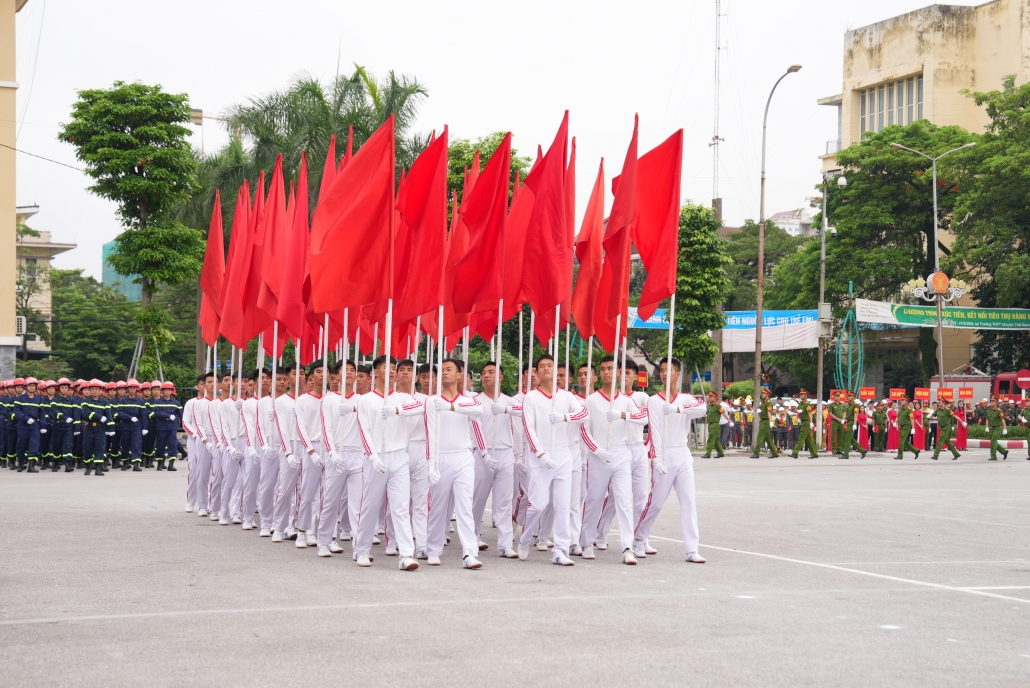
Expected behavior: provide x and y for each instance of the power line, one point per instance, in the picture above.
(56, 162)
(32, 79)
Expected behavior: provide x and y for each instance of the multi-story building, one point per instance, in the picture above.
(32, 290)
(917, 66)
(793, 222)
(112, 280)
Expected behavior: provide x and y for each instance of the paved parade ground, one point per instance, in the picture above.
(820, 573)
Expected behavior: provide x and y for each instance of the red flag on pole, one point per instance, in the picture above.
(479, 272)
(351, 238)
(212, 276)
(296, 289)
(588, 252)
(656, 231)
(329, 169)
(276, 237)
(613, 290)
(231, 325)
(255, 319)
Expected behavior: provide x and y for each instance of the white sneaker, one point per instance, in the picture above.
(483, 545)
(695, 558)
(523, 551)
(249, 525)
(237, 521)
(265, 532)
(638, 549)
(628, 558)
(364, 560)
(391, 550)
(421, 554)
(434, 561)
(602, 544)
(323, 551)
(575, 551)
(588, 552)
(508, 553)
(290, 534)
(376, 540)
(202, 513)
(471, 563)
(222, 521)
(216, 517)
(648, 549)
(277, 536)
(312, 539)
(345, 537)
(561, 560)
(408, 564)
(380, 530)
(335, 548)
(302, 542)
(541, 545)
(189, 508)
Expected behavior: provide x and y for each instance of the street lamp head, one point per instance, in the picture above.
(842, 181)
(898, 145)
(971, 143)
(793, 68)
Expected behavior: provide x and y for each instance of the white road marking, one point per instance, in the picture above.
(891, 628)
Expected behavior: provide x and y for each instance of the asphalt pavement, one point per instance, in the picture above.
(820, 572)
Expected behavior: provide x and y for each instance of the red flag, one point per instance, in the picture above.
(213, 275)
(352, 229)
(613, 290)
(457, 244)
(276, 237)
(588, 252)
(347, 156)
(255, 319)
(479, 272)
(656, 231)
(547, 245)
(422, 204)
(231, 325)
(329, 169)
(296, 284)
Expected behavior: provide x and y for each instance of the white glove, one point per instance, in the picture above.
(30, 421)
(390, 411)
(613, 415)
(346, 409)
(317, 458)
(69, 420)
(670, 410)
(659, 465)
(520, 461)
(252, 454)
(76, 433)
(269, 452)
(1004, 431)
(913, 431)
(811, 426)
(134, 419)
(110, 434)
(145, 431)
(103, 419)
(171, 416)
(546, 461)
(293, 461)
(490, 462)
(336, 460)
(604, 455)
(731, 423)
(234, 454)
(434, 472)
(498, 409)
(42, 431)
(854, 426)
(441, 405)
(556, 418)
(377, 463)
(965, 425)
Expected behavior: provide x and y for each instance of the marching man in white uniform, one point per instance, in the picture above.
(672, 463)
(229, 412)
(270, 448)
(344, 460)
(206, 447)
(289, 464)
(194, 445)
(309, 432)
(253, 454)
(494, 478)
(382, 423)
(549, 458)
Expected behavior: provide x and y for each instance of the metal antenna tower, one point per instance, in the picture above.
(715, 134)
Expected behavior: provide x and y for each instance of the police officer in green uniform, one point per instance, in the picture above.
(905, 429)
(945, 427)
(880, 427)
(715, 412)
(836, 418)
(806, 436)
(849, 442)
(765, 410)
(996, 428)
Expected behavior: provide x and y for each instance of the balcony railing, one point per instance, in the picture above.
(832, 146)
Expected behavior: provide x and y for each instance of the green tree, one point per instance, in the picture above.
(31, 280)
(133, 142)
(461, 153)
(742, 248)
(992, 230)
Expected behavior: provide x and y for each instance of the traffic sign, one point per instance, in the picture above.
(1023, 379)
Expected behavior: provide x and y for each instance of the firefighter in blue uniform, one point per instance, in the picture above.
(167, 415)
(130, 420)
(97, 427)
(117, 391)
(48, 422)
(80, 390)
(149, 431)
(64, 423)
(31, 418)
(4, 413)
(18, 387)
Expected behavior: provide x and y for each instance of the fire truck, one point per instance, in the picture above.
(1003, 385)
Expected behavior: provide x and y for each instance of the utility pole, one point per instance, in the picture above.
(716, 200)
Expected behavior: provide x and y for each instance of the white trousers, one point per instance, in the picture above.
(391, 488)
(310, 488)
(418, 463)
(520, 494)
(218, 457)
(497, 485)
(251, 485)
(457, 478)
(334, 490)
(350, 506)
(266, 488)
(550, 487)
(641, 478)
(576, 499)
(230, 471)
(613, 483)
(192, 465)
(286, 494)
(202, 478)
(680, 477)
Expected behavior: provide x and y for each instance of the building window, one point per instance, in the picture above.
(861, 112)
(910, 83)
(879, 107)
(919, 96)
(890, 104)
(901, 101)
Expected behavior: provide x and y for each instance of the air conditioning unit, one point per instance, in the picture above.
(20, 327)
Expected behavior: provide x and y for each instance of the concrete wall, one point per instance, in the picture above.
(8, 115)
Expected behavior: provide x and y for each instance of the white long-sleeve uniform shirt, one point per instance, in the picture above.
(309, 421)
(448, 431)
(248, 417)
(497, 430)
(286, 421)
(595, 430)
(202, 415)
(189, 421)
(519, 438)
(229, 412)
(371, 421)
(267, 432)
(340, 433)
(417, 424)
(677, 425)
(635, 431)
(536, 410)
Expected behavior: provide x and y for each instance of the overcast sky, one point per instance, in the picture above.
(488, 66)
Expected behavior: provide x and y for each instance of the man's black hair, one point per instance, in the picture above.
(426, 368)
(544, 357)
(488, 364)
(381, 361)
(632, 365)
(675, 363)
(607, 358)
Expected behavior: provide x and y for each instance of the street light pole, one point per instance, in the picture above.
(761, 262)
(938, 296)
